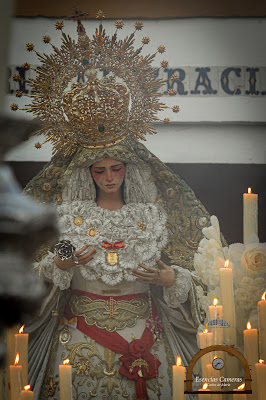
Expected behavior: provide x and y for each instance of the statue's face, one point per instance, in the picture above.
(108, 174)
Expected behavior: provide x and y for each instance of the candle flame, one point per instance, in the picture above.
(205, 386)
(21, 329)
(205, 331)
(66, 361)
(215, 302)
(261, 361)
(249, 190)
(241, 387)
(248, 325)
(178, 361)
(226, 264)
(27, 387)
(16, 359)
(263, 297)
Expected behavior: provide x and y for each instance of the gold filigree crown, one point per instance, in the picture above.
(95, 112)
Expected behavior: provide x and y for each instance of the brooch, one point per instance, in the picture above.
(78, 221)
(92, 231)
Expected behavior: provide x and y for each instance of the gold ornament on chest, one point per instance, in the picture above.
(112, 252)
(78, 221)
(112, 257)
(92, 231)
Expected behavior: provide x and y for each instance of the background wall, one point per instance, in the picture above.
(216, 143)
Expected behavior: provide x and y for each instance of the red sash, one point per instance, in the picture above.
(137, 361)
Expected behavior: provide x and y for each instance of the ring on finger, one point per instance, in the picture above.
(75, 259)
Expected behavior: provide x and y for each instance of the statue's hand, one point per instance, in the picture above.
(83, 258)
(163, 276)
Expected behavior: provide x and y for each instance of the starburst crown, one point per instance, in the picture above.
(96, 112)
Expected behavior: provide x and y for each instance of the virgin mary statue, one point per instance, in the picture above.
(120, 303)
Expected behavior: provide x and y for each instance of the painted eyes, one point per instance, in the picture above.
(113, 169)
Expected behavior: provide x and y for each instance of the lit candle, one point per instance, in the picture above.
(179, 376)
(262, 326)
(27, 394)
(260, 368)
(250, 215)
(228, 301)
(251, 352)
(65, 376)
(21, 346)
(15, 372)
(205, 340)
(215, 312)
(215, 374)
(204, 389)
(11, 354)
(237, 395)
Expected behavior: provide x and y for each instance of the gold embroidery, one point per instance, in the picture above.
(51, 385)
(92, 231)
(82, 366)
(110, 315)
(139, 363)
(78, 221)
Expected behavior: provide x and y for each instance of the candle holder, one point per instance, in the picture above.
(222, 348)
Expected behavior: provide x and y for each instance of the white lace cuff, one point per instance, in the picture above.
(178, 294)
(50, 270)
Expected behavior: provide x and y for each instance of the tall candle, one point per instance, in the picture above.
(11, 354)
(215, 312)
(205, 340)
(250, 214)
(215, 374)
(26, 394)
(262, 326)
(15, 372)
(203, 390)
(179, 376)
(65, 376)
(251, 353)
(21, 346)
(228, 301)
(260, 368)
(237, 395)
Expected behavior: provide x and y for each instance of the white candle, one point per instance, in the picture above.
(15, 372)
(65, 376)
(215, 312)
(21, 347)
(203, 396)
(26, 394)
(205, 340)
(228, 301)
(179, 376)
(262, 326)
(250, 215)
(251, 353)
(237, 395)
(10, 356)
(260, 368)
(215, 374)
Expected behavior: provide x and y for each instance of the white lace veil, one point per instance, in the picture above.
(78, 183)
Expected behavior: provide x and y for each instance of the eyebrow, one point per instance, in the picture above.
(116, 165)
